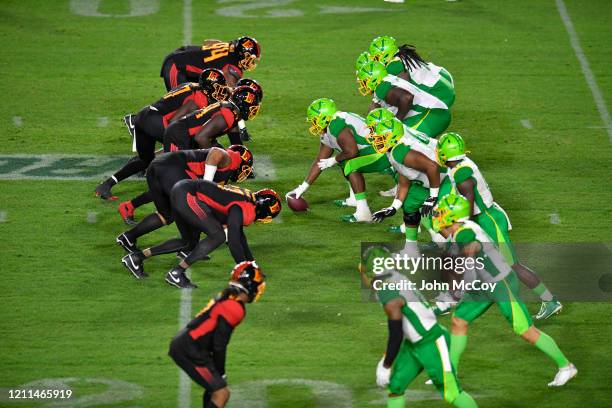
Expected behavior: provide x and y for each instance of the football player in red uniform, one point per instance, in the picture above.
(200, 348)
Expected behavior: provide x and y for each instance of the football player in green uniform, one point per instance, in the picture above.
(465, 177)
(412, 156)
(452, 219)
(416, 340)
(425, 108)
(345, 134)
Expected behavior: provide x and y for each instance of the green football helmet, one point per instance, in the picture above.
(363, 58)
(386, 135)
(319, 114)
(369, 76)
(450, 147)
(450, 209)
(378, 115)
(383, 48)
(366, 266)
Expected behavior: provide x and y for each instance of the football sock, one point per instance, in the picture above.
(142, 199)
(464, 400)
(542, 291)
(412, 233)
(548, 346)
(396, 402)
(149, 223)
(362, 203)
(133, 166)
(458, 344)
(168, 247)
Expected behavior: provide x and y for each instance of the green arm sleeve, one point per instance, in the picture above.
(382, 90)
(463, 174)
(336, 126)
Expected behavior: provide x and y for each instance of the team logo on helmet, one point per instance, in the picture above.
(267, 205)
(246, 163)
(213, 84)
(248, 277)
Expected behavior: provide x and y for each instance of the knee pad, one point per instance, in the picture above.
(413, 218)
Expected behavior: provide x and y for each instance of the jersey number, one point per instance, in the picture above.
(203, 112)
(217, 50)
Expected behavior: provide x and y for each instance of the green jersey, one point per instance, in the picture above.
(418, 319)
(430, 78)
(495, 267)
(467, 169)
(356, 123)
(422, 101)
(412, 140)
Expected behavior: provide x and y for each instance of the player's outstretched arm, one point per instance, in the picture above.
(216, 158)
(207, 135)
(234, 235)
(325, 152)
(393, 309)
(348, 145)
(186, 109)
(467, 190)
(402, 99)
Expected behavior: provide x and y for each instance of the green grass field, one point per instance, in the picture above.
(70, 309)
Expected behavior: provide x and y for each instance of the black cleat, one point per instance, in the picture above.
(104, 192)
(134, 263)
(129, 123)
(182, 254)
(177, 277)
(126, 244)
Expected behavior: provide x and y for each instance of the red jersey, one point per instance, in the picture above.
(193, 59)
(197, 119)
(177, 97)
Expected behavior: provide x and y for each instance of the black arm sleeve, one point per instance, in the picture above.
(223, 333)
(235, 233)
(395, 341)
(234, 136)
(245, 246)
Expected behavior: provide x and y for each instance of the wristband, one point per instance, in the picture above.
(209, 172)
(397, 204)
(304, 186)
(241, 124)
(433, 192)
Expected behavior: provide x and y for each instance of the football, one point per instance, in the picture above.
(297, 204)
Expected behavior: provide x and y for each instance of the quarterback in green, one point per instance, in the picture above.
(416, 341)
(423, 107)
(344, 134)
(452, 220)
(465, 177)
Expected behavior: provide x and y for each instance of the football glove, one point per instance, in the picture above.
(327, 163)
(428, 205)
(383, 374)
(380, 215)
(244, 135)
(299, 190)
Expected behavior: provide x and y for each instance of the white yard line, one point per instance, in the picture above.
(526, 124)
(586, 69)
(184, 391)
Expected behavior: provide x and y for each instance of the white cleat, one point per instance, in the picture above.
(389, 193)
(429, 382)
(357, 217)
(564, 375)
